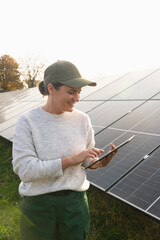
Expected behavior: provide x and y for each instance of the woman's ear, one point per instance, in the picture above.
(51, 89)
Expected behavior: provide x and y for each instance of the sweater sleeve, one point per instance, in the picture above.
(26, 163)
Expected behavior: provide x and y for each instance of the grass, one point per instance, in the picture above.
(110, 218)
(114, 220)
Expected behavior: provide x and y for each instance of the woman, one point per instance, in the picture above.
(51, 146)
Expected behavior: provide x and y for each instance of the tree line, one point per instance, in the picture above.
(15, 76)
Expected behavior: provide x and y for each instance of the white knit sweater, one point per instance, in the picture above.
(40, 141)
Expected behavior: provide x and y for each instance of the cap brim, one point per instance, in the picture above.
(78, 83)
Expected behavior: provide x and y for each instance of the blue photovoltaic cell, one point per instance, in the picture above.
(156, 97)
(101, 83)
(10, 119)
(12, 104)
(144, 89)
(145, 118)
(126, 157)
(16, 111)
(110, 111)
(154, 209)
(115, 87)
(141, 187)
(86, 106)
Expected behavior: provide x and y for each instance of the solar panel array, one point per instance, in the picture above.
(119, 107)
(12, 104)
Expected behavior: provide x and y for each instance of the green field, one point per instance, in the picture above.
(110, 218)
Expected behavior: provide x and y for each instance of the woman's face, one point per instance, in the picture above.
(64, 98)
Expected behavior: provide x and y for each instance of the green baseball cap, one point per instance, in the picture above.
(66, 73)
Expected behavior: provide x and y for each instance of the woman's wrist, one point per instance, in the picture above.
(66, 162)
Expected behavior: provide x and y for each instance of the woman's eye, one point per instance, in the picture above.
(72, 93)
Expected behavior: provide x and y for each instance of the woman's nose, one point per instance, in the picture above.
(76, 97)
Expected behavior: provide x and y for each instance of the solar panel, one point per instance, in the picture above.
(110, 111)
(141, 186)
(87, 106)
(9, 96)
(101, 83)
(115, 87)
(145, 118)
(9, 121)
(13, 104)
(8, 133)
(16, 110)
(144, 89)
(126, 158)
(157, 96)
(119, 106)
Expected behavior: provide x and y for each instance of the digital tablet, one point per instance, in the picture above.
(119, 146)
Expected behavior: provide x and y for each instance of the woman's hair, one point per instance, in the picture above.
(44, 90)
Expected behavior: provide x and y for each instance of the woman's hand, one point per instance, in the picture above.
(85, 154)
(81, 157)
(105, 160)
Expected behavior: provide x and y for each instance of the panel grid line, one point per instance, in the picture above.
(152, 203)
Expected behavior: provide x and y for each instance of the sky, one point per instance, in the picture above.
(99, 36)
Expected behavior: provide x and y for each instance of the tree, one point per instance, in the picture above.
(31, 71)
(9, 74)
